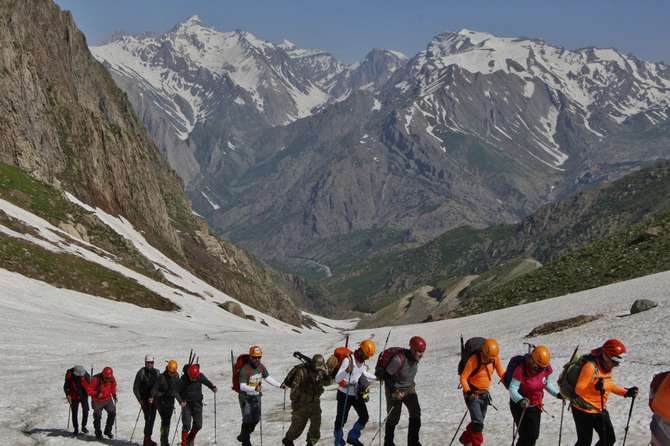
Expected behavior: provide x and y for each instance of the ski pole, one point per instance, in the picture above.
(215, 418)
(630, 412)
(459, 427)
(136, 420)
(560, 428)
(176, 429)
(516, 431)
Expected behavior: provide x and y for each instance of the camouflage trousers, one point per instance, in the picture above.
(301, 413)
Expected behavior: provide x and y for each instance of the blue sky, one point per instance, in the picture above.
(349, 29)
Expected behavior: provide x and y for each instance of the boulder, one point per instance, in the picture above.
(641, 305)
(233, 307)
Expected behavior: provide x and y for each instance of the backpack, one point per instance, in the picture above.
(385, 358)
(472, 346)
(511, 367)
(569, 376)
(240, 362)
(655, 385)
(337, 357)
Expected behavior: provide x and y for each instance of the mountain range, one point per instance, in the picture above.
(307, 161)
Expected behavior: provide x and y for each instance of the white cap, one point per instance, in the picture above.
(148, 358)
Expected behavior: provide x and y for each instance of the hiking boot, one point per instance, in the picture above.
(98, 435)
(149, 442)
(75, 432)
(108, 434)
(84, 430)
(354, 442)
(287, 442)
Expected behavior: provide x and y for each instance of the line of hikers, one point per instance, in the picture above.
(585, 383)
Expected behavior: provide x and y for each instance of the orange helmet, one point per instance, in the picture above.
(255, 352)
(368, 348)
(541, 356)
(490, 348)
(172, 366)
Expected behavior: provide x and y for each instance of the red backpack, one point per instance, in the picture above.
(384, 359)
(240, 362)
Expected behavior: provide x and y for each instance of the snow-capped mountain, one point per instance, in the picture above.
(475, 129)
(203, 93)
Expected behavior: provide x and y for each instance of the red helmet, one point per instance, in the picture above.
(418, 344)
(614, 350)
(193, 371)
(108, 373)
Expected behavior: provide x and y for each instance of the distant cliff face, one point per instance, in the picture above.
(64, 121)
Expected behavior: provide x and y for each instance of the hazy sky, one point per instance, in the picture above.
(349, 29)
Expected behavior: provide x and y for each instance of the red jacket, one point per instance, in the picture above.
(101, 390)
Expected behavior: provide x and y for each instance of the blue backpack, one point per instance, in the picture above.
(511, 366)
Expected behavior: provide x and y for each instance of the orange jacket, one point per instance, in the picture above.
(481, 373)
(586, 387)
(661, 402)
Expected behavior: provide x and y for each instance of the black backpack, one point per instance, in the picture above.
(471, 347)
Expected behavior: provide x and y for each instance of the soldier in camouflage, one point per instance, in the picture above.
(306, 382)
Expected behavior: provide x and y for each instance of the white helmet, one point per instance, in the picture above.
(148, 358)
(79, 371)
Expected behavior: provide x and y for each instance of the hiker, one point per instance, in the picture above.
(250, 375)
(190, 395)
(145, 379)
(102, 391)
(475, 380)
(76, 395)
(659, 402)
(592, 390)
(163, 394)
(306, 382)
(529, 377)
(351, 370)
(400, 388)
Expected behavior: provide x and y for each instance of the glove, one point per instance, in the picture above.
(524, 403)
(115, 398)
(631, 392)
(214, 389)
(560, 397)
(599, 385)
(364, 395)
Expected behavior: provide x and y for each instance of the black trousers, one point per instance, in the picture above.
(586, 423)
(344, 403)
(251, 415)
(192, 412)
(393, 411)
(529, 430)
(74, 406)
(149, 411)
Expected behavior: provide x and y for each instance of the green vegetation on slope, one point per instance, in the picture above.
(74, 273)
(640, 250)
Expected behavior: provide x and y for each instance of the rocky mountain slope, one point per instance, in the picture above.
(598, 224)
(476, 129)
(66, 123)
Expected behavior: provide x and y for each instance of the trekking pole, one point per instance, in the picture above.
(283, 415)
(380, 392)
(260, 409)
(215, 418)
(459, 427)
(116, 409)
(560, 428)
(136, 420)
(176, 429)
(516, 431)
(380, 426)
(602, 407)
(69, 412)
(630, 412)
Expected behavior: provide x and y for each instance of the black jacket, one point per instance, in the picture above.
(165, 390)
(192, 390)
(144, 382)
